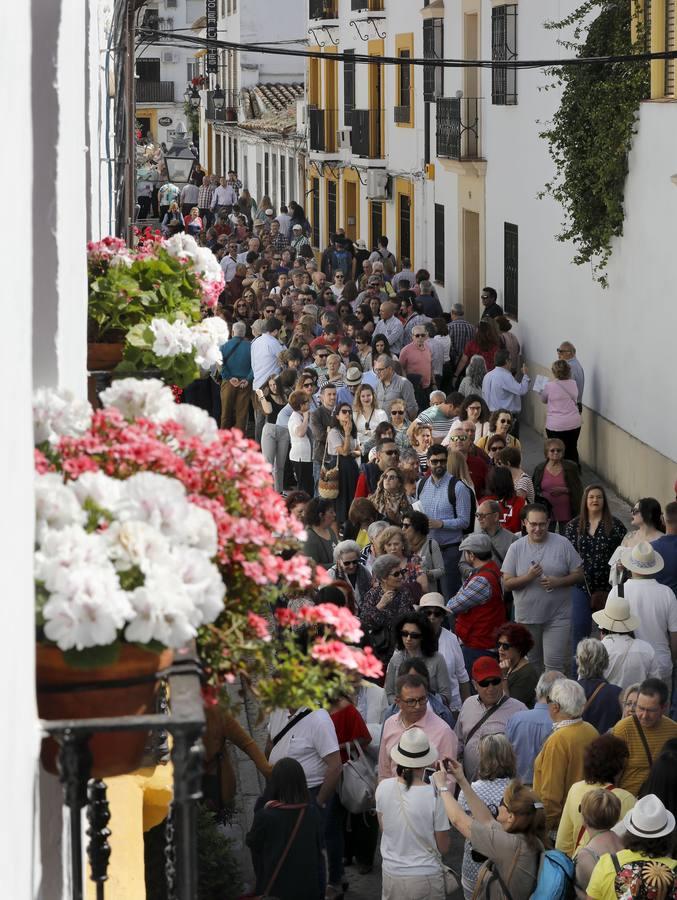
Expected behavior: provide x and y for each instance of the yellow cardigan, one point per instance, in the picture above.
(559, 765)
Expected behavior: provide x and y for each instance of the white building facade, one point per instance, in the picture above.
(451, 171)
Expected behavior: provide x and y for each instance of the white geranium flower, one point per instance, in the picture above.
(57, 413)
(215, 327)
(207, 351)
(156, 499)
(197, 529)
(171, 338)
(196, 422)
(163, 610)
(207, 264)
(98, 487)
(202, 580)
(88, 610)
(67, 549)
(136, 544)
(181, 245)
(55, 505)
(146, 398)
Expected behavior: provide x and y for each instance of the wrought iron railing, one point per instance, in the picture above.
(154, 91)
(458, 128)
(366, 133)
(185, 722)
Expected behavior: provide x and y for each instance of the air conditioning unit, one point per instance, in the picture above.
(377, 184)
(168, 56)
(344, 138)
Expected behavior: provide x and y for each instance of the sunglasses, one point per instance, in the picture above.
(398, 573)
(505, 421)
(349, 562)
(456, 438)
(489, 682)
(414, 635)
(396, 412)
(503, 645)
(391, 452)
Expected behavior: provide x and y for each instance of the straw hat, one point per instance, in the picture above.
(432, 599)
(354, 376)
(649, 818)
(642, 559)
(414, 750)
(615, 616)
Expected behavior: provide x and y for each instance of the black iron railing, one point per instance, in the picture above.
(154, 91)
(185, 721)
(322, 9)
(366, 134)
(317, 129)
(230, 108)
(458, 128)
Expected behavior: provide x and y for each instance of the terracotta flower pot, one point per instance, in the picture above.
(64, 692)
(103, 357)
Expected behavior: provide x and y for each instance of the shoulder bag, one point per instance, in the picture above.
(451, 880)
(642, 736)
(328, 483)
(290, 724)
(484, 718)
(357, 785)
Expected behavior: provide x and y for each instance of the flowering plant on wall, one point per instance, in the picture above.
(179, 352)
(146, 487)
(173, 277)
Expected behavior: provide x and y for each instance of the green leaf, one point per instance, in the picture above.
(92, 657)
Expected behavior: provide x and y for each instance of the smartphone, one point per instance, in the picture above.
(427, 775)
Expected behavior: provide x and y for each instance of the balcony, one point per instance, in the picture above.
(366, 134)
(154, 91)
(458, 128)
(322, 9)
(323, 124)
(228, 114)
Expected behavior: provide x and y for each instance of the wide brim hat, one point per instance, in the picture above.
(353, 376)
(432, 599)
(360, 244)
(616, 616)
(649, 818)
(642, 559)
(414, 750)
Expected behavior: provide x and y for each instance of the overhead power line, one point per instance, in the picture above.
(630, 58)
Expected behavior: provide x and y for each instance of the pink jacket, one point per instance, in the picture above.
(561, 397)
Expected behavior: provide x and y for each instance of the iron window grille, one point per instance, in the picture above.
(331, 208)
(504, 49)
(315, 236)
(458, 128)
(348, 87)
(433, 48)
(316, 120)
(510, 268)
(439, 243)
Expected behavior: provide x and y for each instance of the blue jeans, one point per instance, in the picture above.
(581, 621)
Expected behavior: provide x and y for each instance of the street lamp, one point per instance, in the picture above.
(180, 159)
(218, 99)
(192, 95)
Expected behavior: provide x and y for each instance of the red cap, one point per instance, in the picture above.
(485, 667)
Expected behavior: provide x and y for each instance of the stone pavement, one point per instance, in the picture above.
(250, 783)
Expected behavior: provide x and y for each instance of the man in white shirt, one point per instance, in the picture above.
(285, 222)
(229, 262)
(265, 350)
(389, 326)
(631, 660)
(501, 390)
(253, 246)
(225, 196)
(654, 606)
(189, 195)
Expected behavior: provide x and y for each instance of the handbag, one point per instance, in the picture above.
(357, 785)
(328, 483)
(451, 880)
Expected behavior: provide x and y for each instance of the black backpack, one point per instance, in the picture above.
(451, 489)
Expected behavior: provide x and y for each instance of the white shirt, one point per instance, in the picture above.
(655, 606)
(366, 427)
(229, 266)
(308, 742)
(300, 446)
(285, 224)
(449, 647)
(189, 194)
(264, 353)
(631, 660)
(401, 852)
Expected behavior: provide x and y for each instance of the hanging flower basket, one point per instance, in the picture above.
(126, 687)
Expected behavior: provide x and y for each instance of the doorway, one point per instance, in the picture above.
(471, 265)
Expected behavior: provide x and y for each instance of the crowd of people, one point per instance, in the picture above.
(527, 638)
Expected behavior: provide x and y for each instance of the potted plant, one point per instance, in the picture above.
(123, 490)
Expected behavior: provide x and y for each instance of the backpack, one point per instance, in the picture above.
(555, 880)
(642, 879)
(451, 488)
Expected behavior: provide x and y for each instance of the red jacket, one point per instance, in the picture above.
(476, 626)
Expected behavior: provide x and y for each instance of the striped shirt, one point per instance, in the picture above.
(461, 333)
(204, 197)
(637, 767)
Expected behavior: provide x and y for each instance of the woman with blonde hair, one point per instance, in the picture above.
(421, 438)
(367, 414)
(512, 841)
(457, 466)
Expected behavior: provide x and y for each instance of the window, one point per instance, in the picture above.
(283, 181)
(170, 4)
(433, 48)
(292, 180)
(510, 268)
(375, 222)
(315, 188)
(273, 196)
(266, 174)
(403, 108)
(192, 70)
(331, 208)
(233, 162)
(504, 48)
(348, 88)
(439, 243)
(405, 226)
(259, 179)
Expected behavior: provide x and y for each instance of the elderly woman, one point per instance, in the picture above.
(392, 540)
(416, 527)
(628, 699)
(369, 553)
(347, 567)
(520, 678)
(415, 637)
(600, 811)
(602, 704)
(563, 420)
(557, 480)
(474, 375)
(497, 767)
(390, 498)
(384, 603)
(500, 422)
(603, 762)
(512, 840)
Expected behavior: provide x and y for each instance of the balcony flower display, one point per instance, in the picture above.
(154, 527)
(172, 278)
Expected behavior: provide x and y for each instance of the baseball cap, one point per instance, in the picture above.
(486, 667)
